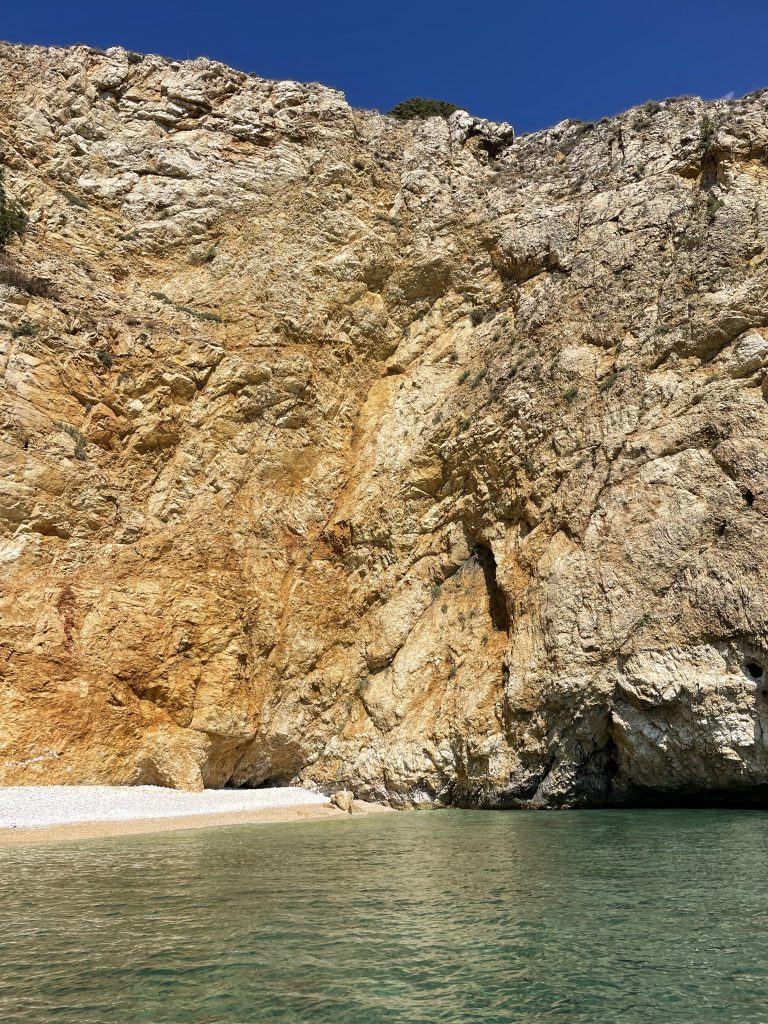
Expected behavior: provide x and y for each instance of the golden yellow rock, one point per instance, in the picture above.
(395, 457)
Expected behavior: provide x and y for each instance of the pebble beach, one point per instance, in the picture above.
(40, 813)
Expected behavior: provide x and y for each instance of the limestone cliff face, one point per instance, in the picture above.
(395, 457)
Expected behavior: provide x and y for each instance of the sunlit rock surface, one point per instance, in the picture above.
(398, 458)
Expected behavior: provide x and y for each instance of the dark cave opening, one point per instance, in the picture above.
(755, 669)
(273, 782)
(496, 600)
(241, 781)
(730, 798)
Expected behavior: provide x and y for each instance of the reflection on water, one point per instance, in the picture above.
(450, 916)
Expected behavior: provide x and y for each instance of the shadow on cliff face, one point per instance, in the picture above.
(582, 778)
(496, 598)
(737, 797)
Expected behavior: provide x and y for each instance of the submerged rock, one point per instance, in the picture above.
(394, 456)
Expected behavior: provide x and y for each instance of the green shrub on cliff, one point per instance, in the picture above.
(13, 216)
(418, 107)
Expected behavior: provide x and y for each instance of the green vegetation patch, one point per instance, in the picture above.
(707, 133)
(420, 108)
(13, 216)
(77, 436)
(22, 330)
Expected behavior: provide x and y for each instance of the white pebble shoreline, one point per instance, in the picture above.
(41, 806)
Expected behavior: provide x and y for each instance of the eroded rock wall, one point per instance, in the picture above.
(374, 455)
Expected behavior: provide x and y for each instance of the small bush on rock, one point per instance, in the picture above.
(77, 437)
(13, 216)
(12, 275)
(714, 203)
(418, 107)
(22, 330)
(707, 133)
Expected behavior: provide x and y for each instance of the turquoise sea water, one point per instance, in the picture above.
(451, 916)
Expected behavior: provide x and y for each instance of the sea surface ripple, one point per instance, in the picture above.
(463, 917)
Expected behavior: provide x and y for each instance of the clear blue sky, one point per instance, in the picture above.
(530, 63)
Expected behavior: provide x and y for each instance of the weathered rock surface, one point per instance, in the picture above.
(389, 457)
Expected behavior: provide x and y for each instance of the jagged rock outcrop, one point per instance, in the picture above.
(462, 127)
(376, 455)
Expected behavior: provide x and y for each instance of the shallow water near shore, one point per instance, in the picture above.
(449, 916)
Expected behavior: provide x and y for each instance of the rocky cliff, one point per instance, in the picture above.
(397, 457)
